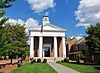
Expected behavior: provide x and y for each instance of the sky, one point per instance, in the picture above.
(73, 15)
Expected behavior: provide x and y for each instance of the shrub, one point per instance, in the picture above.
(31, 59)
(66, 60)
(5, 58)
(1, 58)
(58, 61)
(78, 58)
(39, 60)
(62, 61)
(34, 60)
(18, 65)
(45, 61)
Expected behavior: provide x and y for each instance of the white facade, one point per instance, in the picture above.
(48, 30)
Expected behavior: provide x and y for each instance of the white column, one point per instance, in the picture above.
(43, 53)
(64, 47)
(32, 47)
(40, 46)
(55, 47)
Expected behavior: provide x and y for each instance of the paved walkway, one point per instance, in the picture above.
(61, 69)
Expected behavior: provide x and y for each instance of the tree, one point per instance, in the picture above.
(93, 40)
(15, 40)
(3, 4)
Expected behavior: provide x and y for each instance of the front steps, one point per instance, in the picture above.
(50, 59)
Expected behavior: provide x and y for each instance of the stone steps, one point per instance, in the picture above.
(50, 59)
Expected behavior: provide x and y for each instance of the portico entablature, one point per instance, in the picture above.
(50, 34)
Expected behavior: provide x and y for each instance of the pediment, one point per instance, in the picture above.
(50, 27)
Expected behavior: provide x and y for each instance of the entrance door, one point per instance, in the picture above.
(46, 50)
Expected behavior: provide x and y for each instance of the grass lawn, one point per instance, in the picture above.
(34, 68)
(83, 68)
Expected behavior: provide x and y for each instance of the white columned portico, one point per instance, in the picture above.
(40, 46)
(32, 47)
(45, 38)
(64, 47)
(55, 47)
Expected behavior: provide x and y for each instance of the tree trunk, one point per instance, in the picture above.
(92, 58)
(11, 61)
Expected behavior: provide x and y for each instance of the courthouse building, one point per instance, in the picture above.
(47, 40)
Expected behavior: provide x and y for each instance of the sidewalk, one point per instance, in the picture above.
(61, 69)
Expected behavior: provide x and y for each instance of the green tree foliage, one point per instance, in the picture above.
(14, 39)
(93, 39)
(3, 4)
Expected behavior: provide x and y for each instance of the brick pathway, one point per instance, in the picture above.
(61, 69)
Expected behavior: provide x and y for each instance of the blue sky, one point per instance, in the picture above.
(61, 13)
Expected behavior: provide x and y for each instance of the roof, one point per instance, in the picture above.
(81, 40)
(70, 41)
(48, 27)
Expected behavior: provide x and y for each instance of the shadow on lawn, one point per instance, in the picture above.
(84, 63)
(97, 68)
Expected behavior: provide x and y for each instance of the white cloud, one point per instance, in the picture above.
(31, 23)
(27, 32)
(77, 37)
(41, 5)
(14, 22)
(83, 24)
(88, 12)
